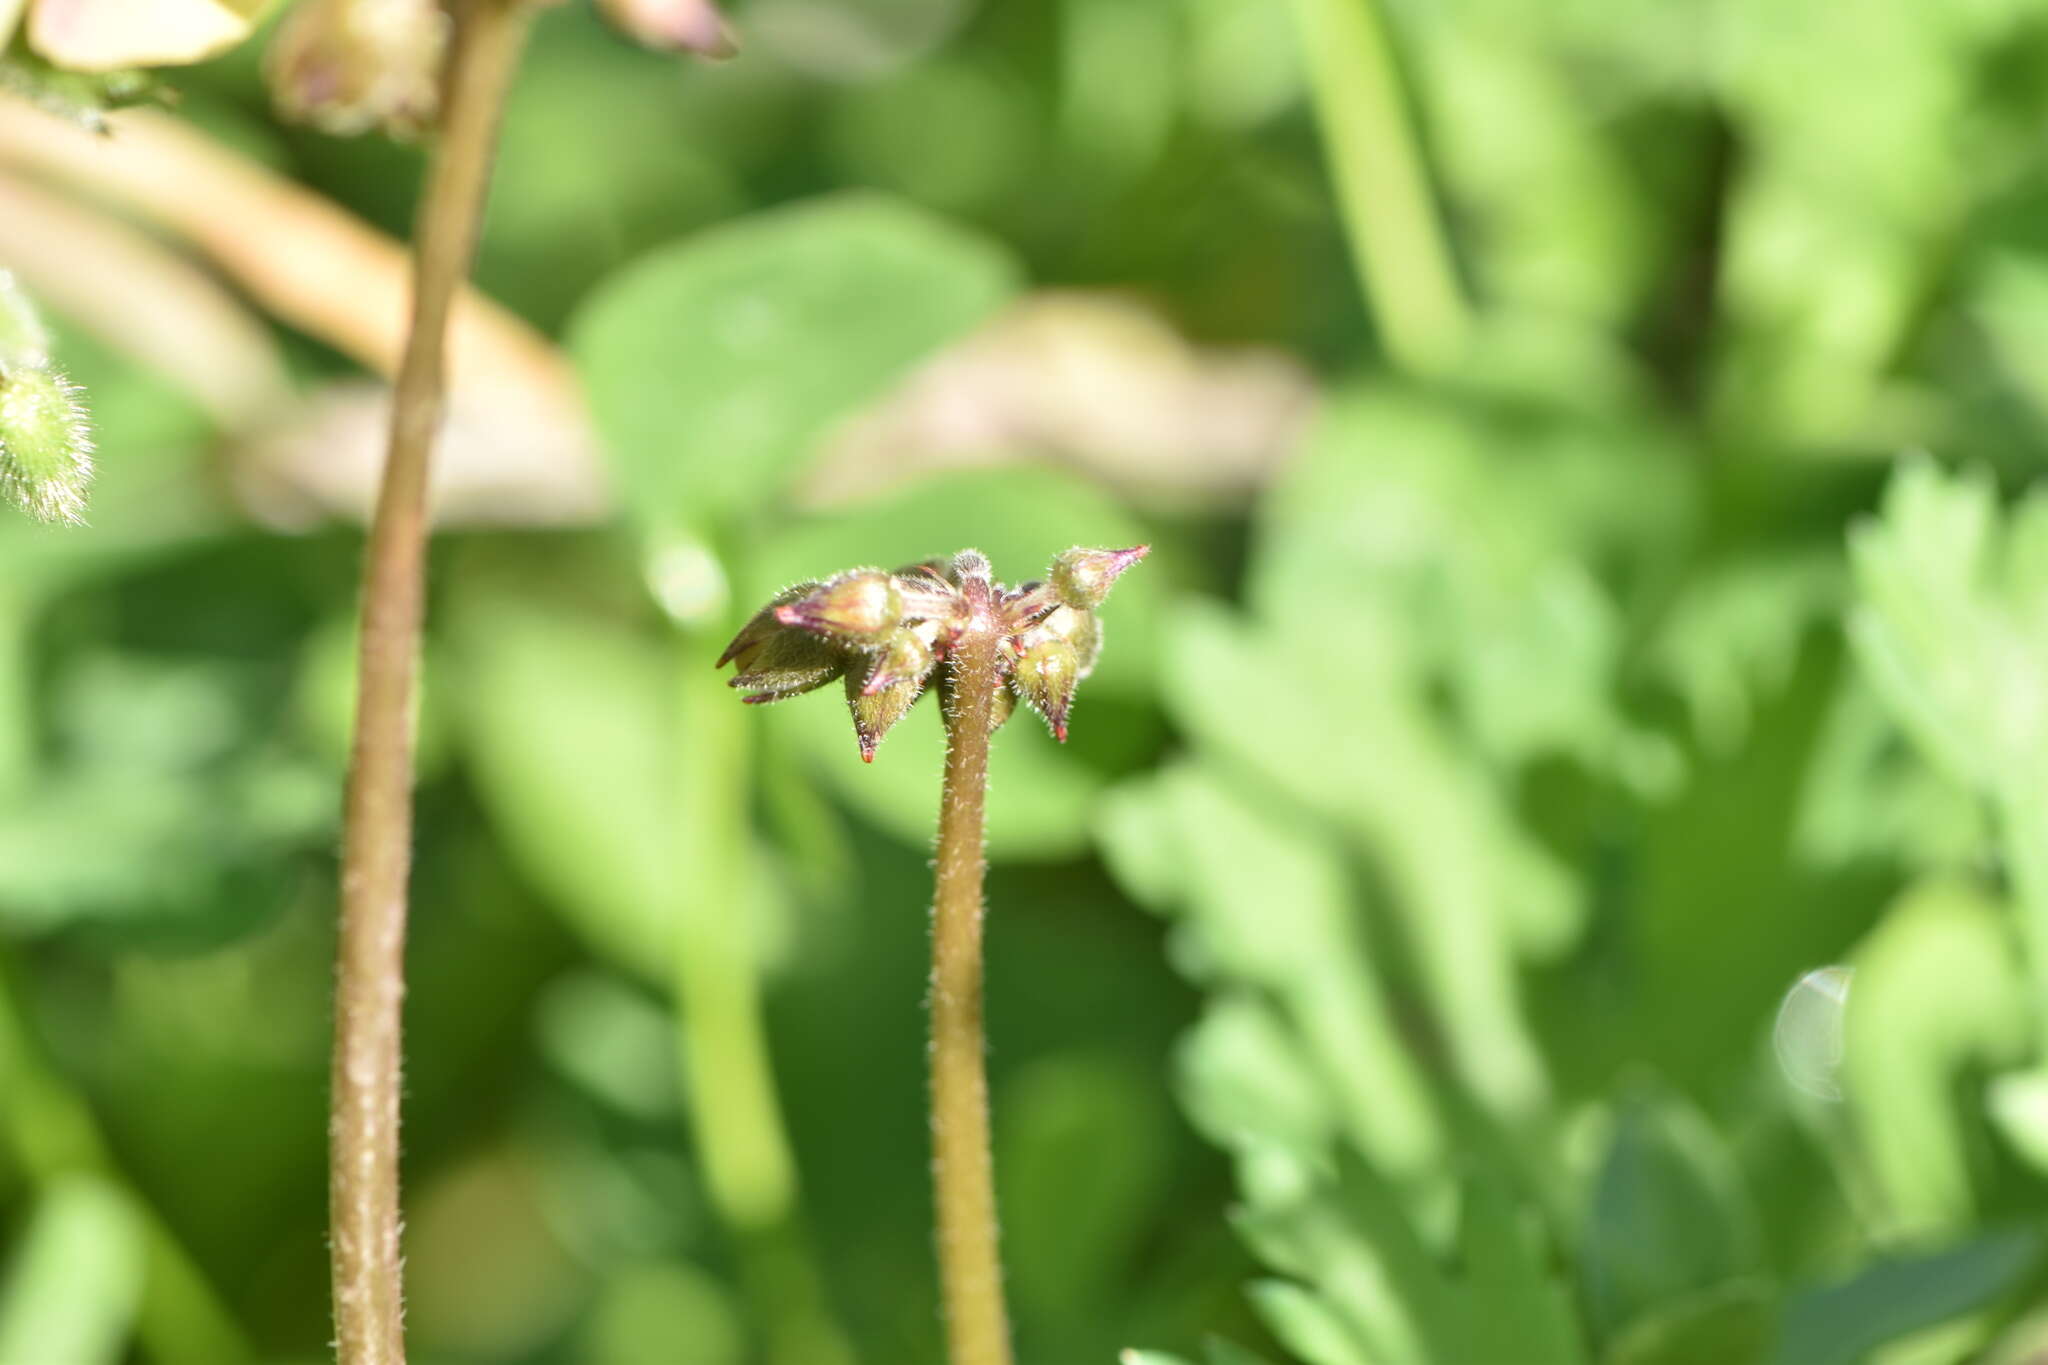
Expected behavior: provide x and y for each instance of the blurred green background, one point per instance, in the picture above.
(1553, 868)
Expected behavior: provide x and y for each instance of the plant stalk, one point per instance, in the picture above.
(970, 1261)
(1383, 192)
(749, 1170)
(377, 818)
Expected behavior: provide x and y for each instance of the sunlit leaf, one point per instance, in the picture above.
(714, 365)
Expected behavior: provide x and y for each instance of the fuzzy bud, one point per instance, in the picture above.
(348, 66)
(1074, 625)
(45, 444)
(761, 628)
(1082, 578)
(693, 26)
(907, 654)
(875, 714)
(970, 564)
(859, 608)
(1045, 677)
(789, 665)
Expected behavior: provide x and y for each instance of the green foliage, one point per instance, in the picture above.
(1393, 970)
(713, 366)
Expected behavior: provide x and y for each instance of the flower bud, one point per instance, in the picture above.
(859, 608)
(45, 444)
(970, 564)
(874, 715)
(928, 594)
(24, 344)
(693, 26)
(790, 665)
(348, 66)
(1026, 606)
(1077, 626)
(1082, 578)
(907, 654)
(1045, 676)
(761, 628)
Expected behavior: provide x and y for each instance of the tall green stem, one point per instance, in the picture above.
(749, 1170)
(970, 1261)
(377, 821)
(1383, 191)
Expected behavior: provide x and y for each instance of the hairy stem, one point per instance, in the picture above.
(970, 1263)
(377, 821)
(1383, 190)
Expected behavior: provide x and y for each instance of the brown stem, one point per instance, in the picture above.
(970, 1263)
(377, 821)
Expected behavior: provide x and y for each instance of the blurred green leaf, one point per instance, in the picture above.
(564, 720)
(75, 1278)
(1079, 1146)
(1729, 1325)
(1307, 1325)
(1667, 1218)
(1274, 910)
(664, 1307)
(1937, 995)
(714, 365)
(1843, 1322)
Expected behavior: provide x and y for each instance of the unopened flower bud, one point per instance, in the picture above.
(928, 594)
(673, 26)
(970, 564)
(788, 665)
(906, 655)
(1077, 626)
(348, 66)
(1082, 578)
(761, 628)
(859, 608)
(1045, 676)
(874, 715)
(1004, 706)
(45, 444)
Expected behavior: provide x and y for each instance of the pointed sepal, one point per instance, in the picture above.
(875, 714)
(1082, 578)
(1045, 677)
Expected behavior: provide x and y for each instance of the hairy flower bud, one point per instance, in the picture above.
(348, 66)
(761, 628)
(45, 444)
(1082, 578)
(789, 665)
(1045, 677)
(1076, 626)
(874, 714)
(891, 635)
(970, 564)
(907, 654)
(693, 26)
(858, 608)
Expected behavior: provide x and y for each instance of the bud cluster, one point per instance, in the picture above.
(45, 443)
(348, 66)
(887, 636)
